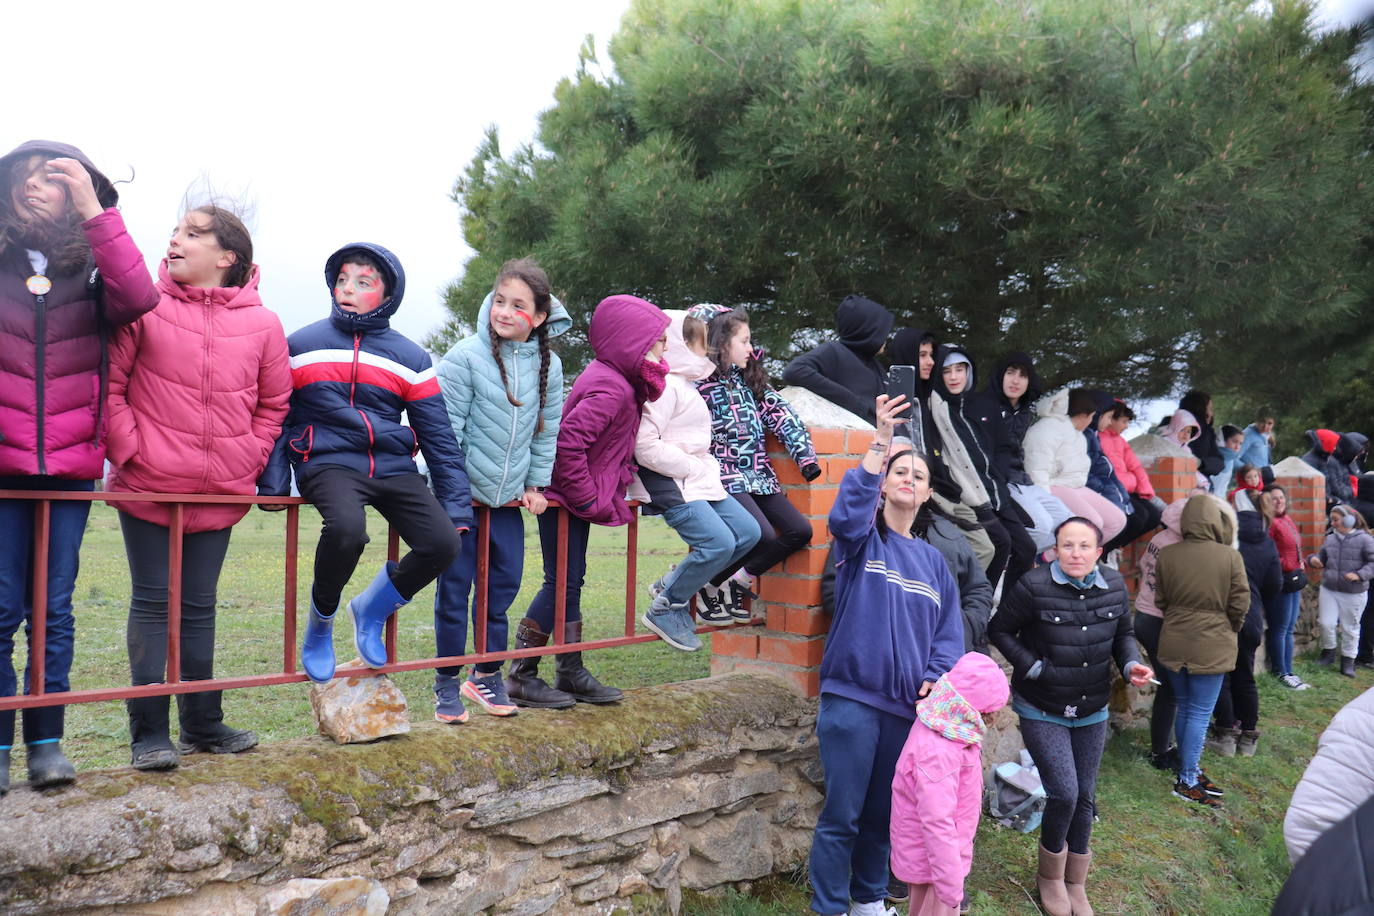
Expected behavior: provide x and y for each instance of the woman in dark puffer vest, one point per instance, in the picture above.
(1061, 627)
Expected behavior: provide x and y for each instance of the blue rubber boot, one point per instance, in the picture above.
(317, 649)
(370, 611)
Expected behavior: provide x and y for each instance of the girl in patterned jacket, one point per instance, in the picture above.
(68, 274)
(743, 407)
(503, 388)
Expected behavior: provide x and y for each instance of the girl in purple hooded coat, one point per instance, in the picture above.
(592, 468)
(69, 274)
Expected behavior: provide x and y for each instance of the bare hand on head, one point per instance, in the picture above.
(73, 176)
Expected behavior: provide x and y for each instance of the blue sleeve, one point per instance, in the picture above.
(275, 479)
(856, 505)
(447, 467)
(948, 644)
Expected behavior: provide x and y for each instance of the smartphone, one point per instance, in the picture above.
(902, 380)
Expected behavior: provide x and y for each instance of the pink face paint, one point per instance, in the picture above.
(359, 289)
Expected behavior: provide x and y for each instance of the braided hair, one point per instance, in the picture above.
(528, 271)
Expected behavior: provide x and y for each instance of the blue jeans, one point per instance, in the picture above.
(579, 530)
(1283, 617)
(859, 746)
(67, 527)
(1196, 696)
(505, 568)
(719, 534)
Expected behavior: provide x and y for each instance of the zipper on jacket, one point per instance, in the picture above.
(352, 391)
(987, 464)
(510, 441)
(40, 342)
(205, 395)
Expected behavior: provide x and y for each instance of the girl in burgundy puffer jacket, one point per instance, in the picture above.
(198, 392)
(68, 274)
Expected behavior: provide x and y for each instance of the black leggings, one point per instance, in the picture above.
(1147, 630)
(202, 558)
(790, 531)
(341, 496)
(1143, 519)
(1067, 759)
(1239, 697)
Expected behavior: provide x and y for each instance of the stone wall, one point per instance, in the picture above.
(693, 785)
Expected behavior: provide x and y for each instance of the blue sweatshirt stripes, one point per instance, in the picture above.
(896, 620)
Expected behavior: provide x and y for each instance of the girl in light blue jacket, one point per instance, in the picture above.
(503, 387)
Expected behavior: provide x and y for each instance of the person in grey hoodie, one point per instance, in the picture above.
(1347, 564)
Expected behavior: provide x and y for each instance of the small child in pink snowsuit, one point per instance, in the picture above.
(938, 787)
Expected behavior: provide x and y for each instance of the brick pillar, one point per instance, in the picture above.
(791, 642)
(1173, 474)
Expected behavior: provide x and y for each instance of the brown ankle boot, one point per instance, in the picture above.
(1075, 879)
(523, 683)
(1049, 880)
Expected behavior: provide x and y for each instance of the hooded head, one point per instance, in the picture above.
(1105, 402)
(905, 350)
(1034, 387)
(1323, 441)
(1180, 421)
(62, 239)
(1350, 446)
(1204, 520)
(681, 360)
(946, 357)
(863, 325)
(392, 275)
(622, 330)
(955, 706)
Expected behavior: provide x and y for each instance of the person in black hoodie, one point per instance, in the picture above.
(1015, 387)
(1237, 710)
(1205, 447)
(971, 441)
(846, 371)
(1321, 456)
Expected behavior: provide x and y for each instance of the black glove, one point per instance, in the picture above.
(810, 472)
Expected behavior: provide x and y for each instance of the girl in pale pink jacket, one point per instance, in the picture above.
(938, 786)
(680, 478)
(198, 391)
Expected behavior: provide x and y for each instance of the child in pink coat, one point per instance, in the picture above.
(937, 790)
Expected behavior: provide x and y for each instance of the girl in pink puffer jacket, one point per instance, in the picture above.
(198, 392)
(937, 790)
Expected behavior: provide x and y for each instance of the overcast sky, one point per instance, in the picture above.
(346, 122)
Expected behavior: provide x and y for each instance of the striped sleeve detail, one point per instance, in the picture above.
(911, 586)
(337, 366)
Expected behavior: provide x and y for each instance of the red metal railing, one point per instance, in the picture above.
(38, 696)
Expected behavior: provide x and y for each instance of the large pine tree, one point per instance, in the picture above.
(1139, 193)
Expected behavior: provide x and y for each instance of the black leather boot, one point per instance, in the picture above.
(577, 681)
(523, 683)
(150, 738)
(203, 728)
(43, 727)
(4, 771)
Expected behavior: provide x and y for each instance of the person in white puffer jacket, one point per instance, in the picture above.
(1057, 457)
(1338, 780)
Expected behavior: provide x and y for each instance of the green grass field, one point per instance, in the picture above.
(1154, 853)
(249, 625)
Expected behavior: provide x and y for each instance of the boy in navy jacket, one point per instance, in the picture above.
(352, 377)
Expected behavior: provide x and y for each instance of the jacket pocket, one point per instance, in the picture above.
(303, 443)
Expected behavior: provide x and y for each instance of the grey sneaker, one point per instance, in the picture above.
(660, 583)
(672, 623)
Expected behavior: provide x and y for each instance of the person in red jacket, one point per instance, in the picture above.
(68, 273)
(198, 392)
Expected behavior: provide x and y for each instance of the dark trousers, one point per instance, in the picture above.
(1020, 546)
(579, 531)
(342, 495)
(67, 526)
(1143, 519)
(505, 569)
(1238, 702)
(859, 746)
(1067, 759)
(202, 558)
(1147, 630)
(782, 532)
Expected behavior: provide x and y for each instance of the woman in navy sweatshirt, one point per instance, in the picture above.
(896, 629)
